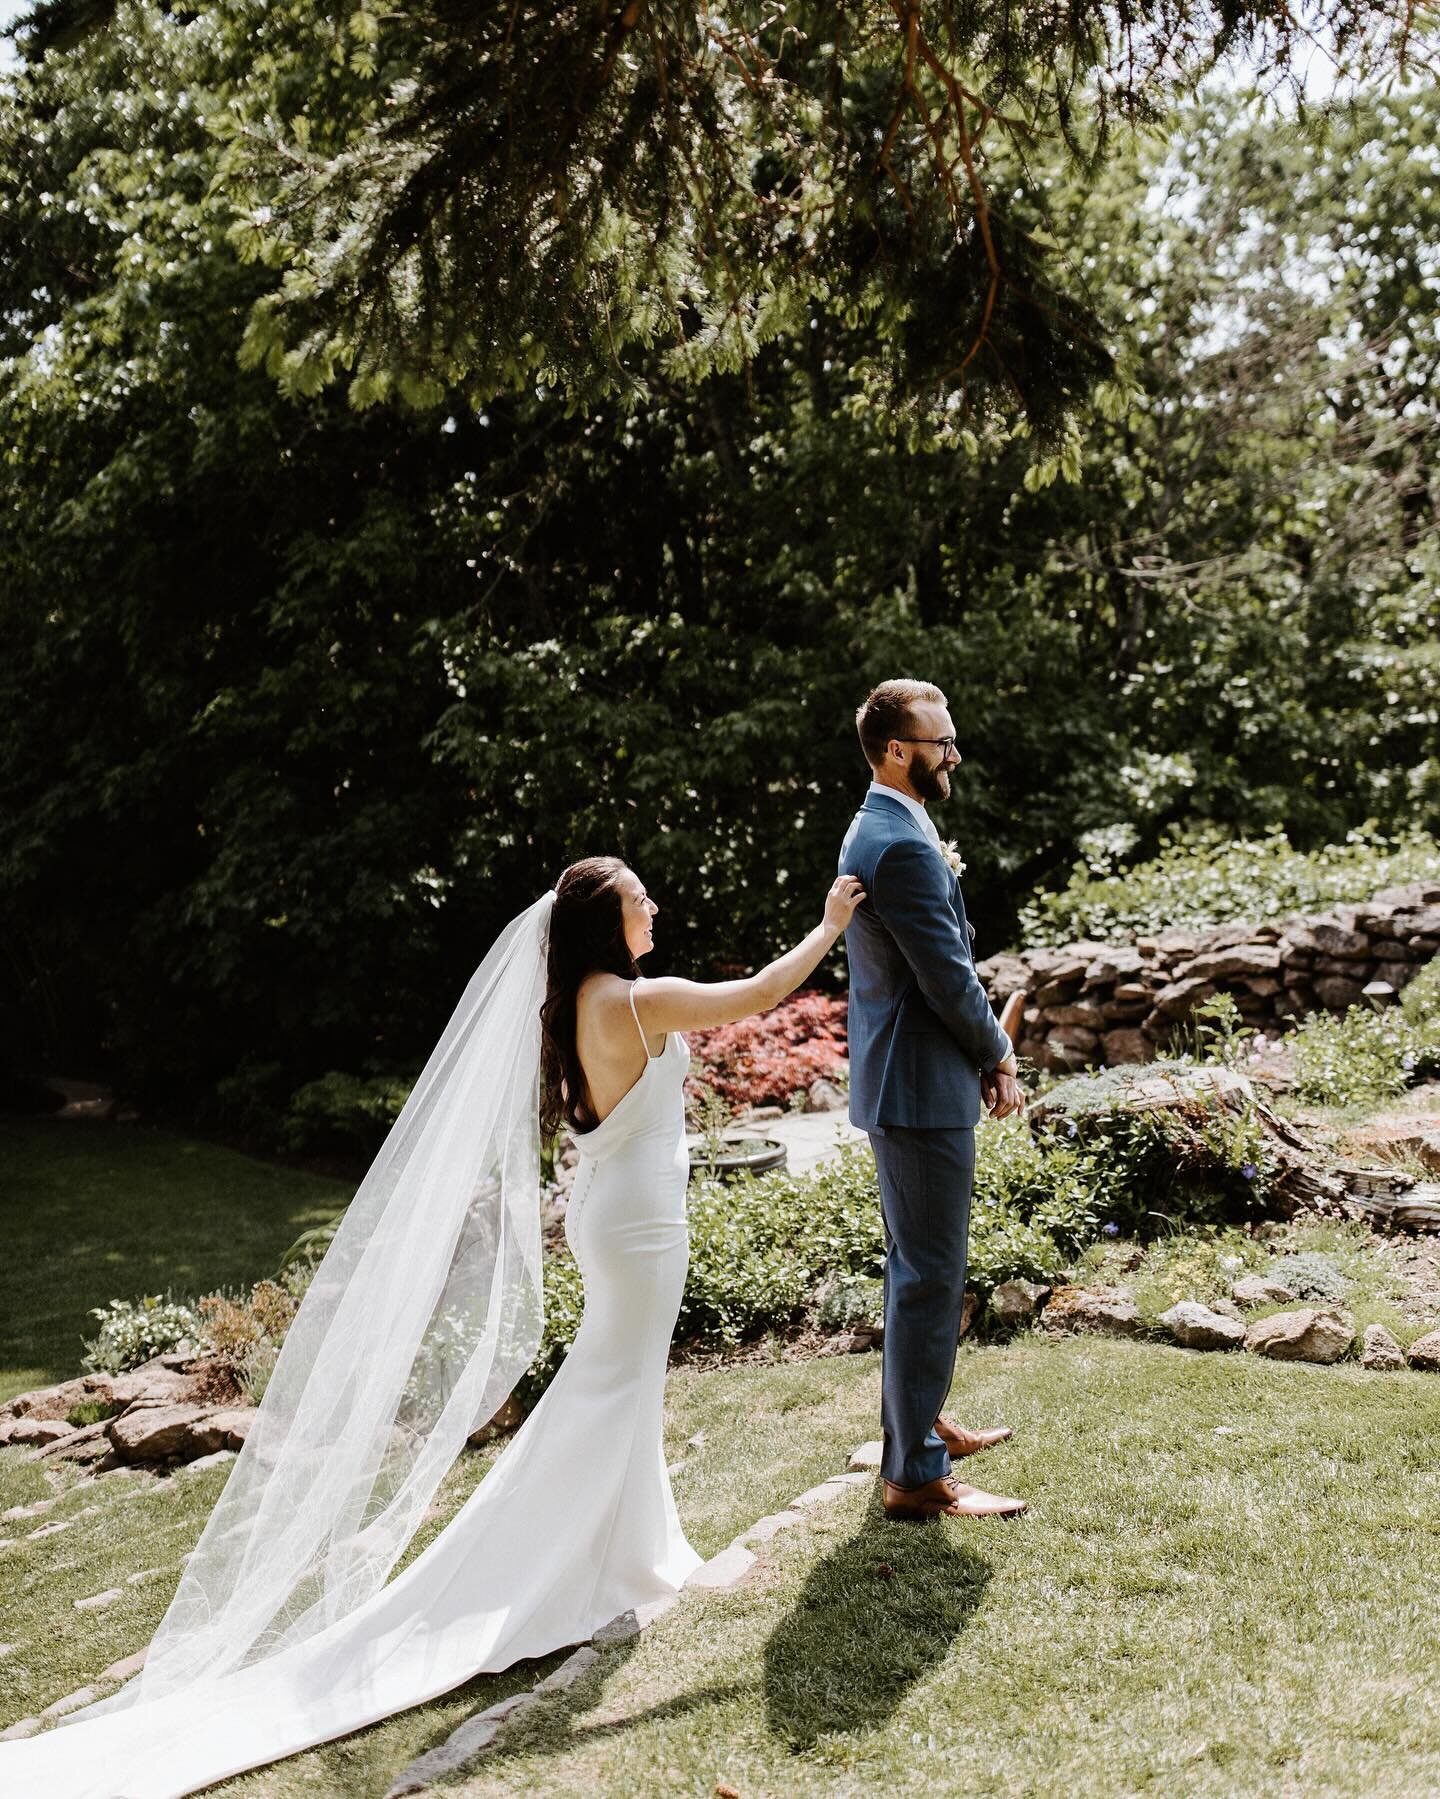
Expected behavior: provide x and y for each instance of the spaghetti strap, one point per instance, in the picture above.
(638, 1026)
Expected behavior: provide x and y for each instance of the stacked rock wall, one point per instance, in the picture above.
(1112, 1003)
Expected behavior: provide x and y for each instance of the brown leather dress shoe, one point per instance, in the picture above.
(946, 1498)
(967, 1442)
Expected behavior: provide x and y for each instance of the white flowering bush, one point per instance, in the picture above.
(133, 1331)
(1207, 877)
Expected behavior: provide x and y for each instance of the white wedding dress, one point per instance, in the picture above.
(573, 1525)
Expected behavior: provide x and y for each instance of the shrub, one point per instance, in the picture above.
(1207, 877)
(1359, 1059)
(1309, 1275)
(762, 1060)
(851, 1302)
(1420, 1008)
(133, 1331)
(345, 1111)
(92, 1411)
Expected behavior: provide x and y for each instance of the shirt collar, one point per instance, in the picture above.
(926, 823)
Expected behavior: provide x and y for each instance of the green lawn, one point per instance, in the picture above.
(90, 1213)
(1255, 1611)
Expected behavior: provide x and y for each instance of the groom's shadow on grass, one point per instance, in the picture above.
(874, 1616)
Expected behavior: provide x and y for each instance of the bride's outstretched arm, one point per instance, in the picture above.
(669, 1004)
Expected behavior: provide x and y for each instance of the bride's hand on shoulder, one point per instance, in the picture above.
(841, 901)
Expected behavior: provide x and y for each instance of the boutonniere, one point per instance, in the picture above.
(953, 861)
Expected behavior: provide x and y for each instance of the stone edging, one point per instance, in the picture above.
(481, 1732)
(484, 1731)
(1090, 1001)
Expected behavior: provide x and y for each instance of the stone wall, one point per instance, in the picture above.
(1099, 1002)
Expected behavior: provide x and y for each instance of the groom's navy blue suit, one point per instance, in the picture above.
(921, 1031)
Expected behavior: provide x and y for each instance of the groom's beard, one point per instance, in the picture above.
(930, 780)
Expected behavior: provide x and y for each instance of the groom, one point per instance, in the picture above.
(925, 1049)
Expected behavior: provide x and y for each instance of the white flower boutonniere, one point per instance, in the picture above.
(951, 852)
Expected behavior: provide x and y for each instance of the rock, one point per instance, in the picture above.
(1197, 1327)
(52, 1530)
(1132, 990)
(1323, 939)
(1055, 993)
(98, 1601)
(1119, 1047)
(825, 1096)
(24, 1727)
(35, 1431)
(763, 1529)
(1081, 1012)
(865, 1458)
(219, 1430)
(126, 1668)
(1227, 964)
(72, 1702)
(1259, 1290)
(1419, 1137)
(1424, 1352)
(724, 1570)
(87, 1444)
(1336, 993)
(968, 1307)
(828, 1491)
(1227, 1308)
(1309, 1335)
(1078, 1309)
(153, 1433)
(847, 1343)
(1182, 996)
(1114, 965)
(1013, 1302)
(215, 1458)
(1379, 1349)
(33, 1510)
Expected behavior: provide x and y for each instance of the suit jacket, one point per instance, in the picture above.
(921, 1028)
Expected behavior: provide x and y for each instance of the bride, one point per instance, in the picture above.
(286, 1630)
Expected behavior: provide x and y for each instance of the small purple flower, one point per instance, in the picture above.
(1070, 1130)
(1248, 1171)
(1407, 1062)
(1111, 1230)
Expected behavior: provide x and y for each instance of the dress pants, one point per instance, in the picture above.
(925, 1182)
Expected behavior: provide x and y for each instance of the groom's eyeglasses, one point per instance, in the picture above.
(943, 744)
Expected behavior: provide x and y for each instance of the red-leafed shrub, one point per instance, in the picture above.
(762, 1060)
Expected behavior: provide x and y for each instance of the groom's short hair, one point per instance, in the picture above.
(890, 712)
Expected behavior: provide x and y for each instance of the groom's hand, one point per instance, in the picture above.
(1001, 1091)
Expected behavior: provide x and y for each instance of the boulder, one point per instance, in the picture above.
(1227, 964)
(1078, 1309)
(1114, 965)
(219, 1430)
(825, 1096)
(1336, 993)
(1122, 1046)
(1322, 938)
(34, 1432)
(1309, 1335)
(1083, 1012)
(154, 1433)
(1379, 1349)
(1424, 1352)
(1197, 1327)
(1013, 1302)
(1227, 1308)
(1182, 996)
(1259, 1290)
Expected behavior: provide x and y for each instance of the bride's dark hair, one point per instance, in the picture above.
(587, 932)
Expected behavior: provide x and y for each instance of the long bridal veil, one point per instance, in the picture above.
(423, 1314)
